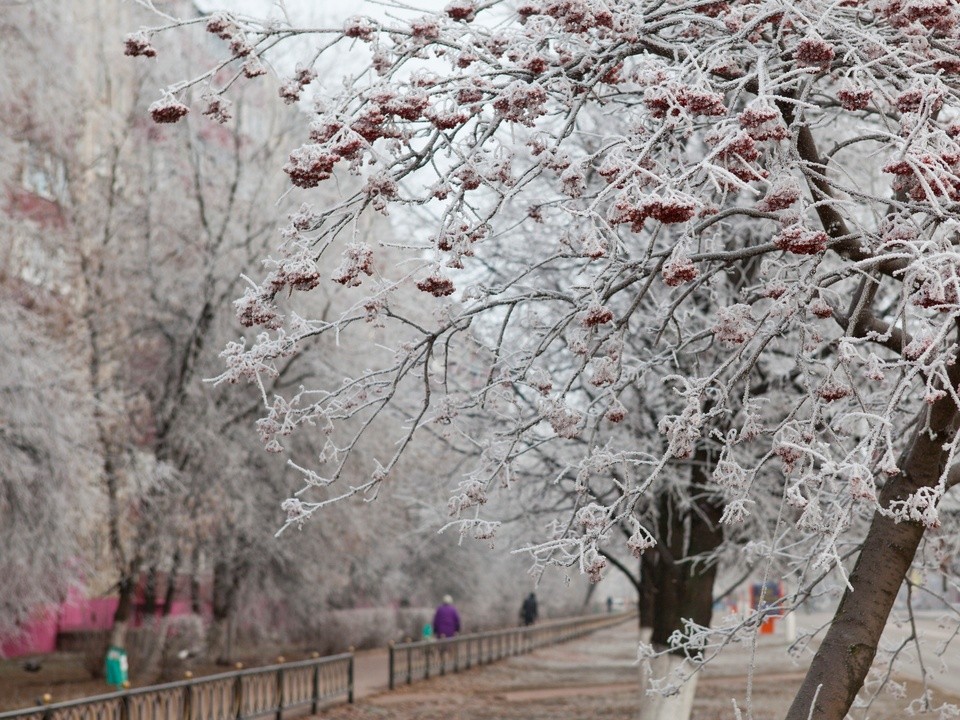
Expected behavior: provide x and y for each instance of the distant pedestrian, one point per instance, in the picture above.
(609, 604)
(528, 611)
(446, 620)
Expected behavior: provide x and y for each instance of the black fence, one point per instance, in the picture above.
(274, 690)
(411, 661)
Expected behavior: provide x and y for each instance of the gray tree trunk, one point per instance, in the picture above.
(850, 645)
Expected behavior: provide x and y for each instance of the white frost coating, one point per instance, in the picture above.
(642, 270)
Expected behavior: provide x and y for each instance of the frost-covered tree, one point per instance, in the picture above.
(47, 493)
(748, 203)
(138, 234)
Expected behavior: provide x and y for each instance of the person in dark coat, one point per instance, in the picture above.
(528, 611)
(446, 620)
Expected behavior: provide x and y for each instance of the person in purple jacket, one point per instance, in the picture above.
(446, 620)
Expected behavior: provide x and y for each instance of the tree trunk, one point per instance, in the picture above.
(647, 590)
(126, 587)
(150, 593)
(170, 595)
(847, 652)
(671, 530)
(216, 638)
(588, 596)
(677, 583)
(227, 577)
(196, 604)
(635, 580)
(684, 584)
(653, 705)
(153, 661)
(706, 535)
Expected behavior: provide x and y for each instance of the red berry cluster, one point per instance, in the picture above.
(575, 16)
(218, 108)
(801, 241)
(940, 174)
(616, 412)
(674, 100)
(297, 272)
(425, 29)
(221, 25)
(138, 45)
(253, 68)
(774, 291)
(310, 165)
(436, 285)
(789, 455)
(814, 52)
(447, 120)
(596, 315)
(779, 197)
(465, 96)
(832, 390)
(713, 9)
(521, 102)
(290, 91)
(917, 98)
(679, 271)
(667, 210)
(408, 106)
(469, 177)
(358, 27)
(936, 16)
(763, 122)
(357, 259)
(372, 125)
(853, 98)
(939, 293)
(461, 10)
(821, 309)
(917, 347)
(256, 309)
(735, 154)
(167, 110)
(734, 325)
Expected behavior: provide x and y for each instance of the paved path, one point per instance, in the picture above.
(595, 676)
(370, 672)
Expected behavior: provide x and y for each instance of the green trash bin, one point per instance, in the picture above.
(116, 666)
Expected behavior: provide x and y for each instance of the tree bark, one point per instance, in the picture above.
(850, 645)
(126, 588)
(668, 580)
(684, 588)
(227, 577)
(171, 592)
(150, 593)
(196, 603)
(674, 587)
(647, 592)
(654, 706)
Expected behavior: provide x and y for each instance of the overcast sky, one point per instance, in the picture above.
(315, 12)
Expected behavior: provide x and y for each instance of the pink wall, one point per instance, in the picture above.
(76, 614)
(87, 614)
(39, 636)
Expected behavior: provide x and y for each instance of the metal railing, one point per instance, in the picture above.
(238, 695)
(411, 661)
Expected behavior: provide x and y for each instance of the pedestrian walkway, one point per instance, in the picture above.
(595, 676)
(370, 672)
